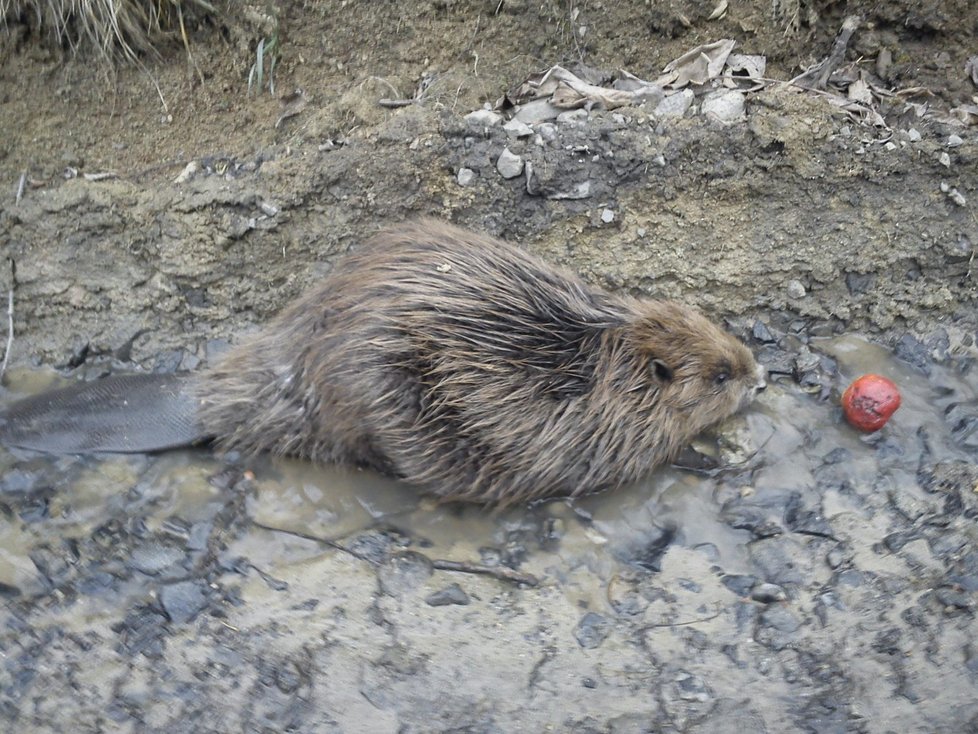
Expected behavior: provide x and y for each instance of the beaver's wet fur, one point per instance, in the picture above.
(468, 367)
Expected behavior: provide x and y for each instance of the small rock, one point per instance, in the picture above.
(578, 115)
(183, 601)
(780, 618)
(945, 160)
(484, 118)
(153, 558)
(536, 110)
(954, 599)
(762, 333)
(768, 593)
(913, 135)
(509, 164)
(607, 216)
(953, 141)
(465, 176)
(675, 105)
(795, 289)
(453, 594)
(518, 128)
(726, 106)
(547, 132)
(739, 584)
(890, 146)
(592, 630)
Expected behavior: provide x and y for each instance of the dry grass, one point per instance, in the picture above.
(113, 28)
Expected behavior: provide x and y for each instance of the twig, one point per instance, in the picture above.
(498, 572)
(817, 76)
(501, 573)
(10, 330)
(20, 186)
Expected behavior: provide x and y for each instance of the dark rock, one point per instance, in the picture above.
(779, 618)
(762, 333)
(753, 518)
(153, 558)
(768, 593)
(952, 598)
(453, 594)
(592, 630)
(183, 600)
(738, 584)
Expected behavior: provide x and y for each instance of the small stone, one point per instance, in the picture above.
(607, 216)
(640, 232)
(739, 584)
(484, 118)
(780, 618)
(452, 595)
(913, 135)
(578, 115)
(953, 141)
(726, 106)
(795, 289)
(509, 164)
(547, 132)
(465, 176)
(153, 558)
(518, 128)
(183, 601)
(536, 110)
(945, 160)
(890, 146)
(592, 630)
(768, 593)
(762, 333)
(674, 106)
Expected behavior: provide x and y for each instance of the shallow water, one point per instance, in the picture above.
(800, 502)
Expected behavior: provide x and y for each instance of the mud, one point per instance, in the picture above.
(802, 578)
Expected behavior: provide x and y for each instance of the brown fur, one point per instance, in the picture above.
(464, 365)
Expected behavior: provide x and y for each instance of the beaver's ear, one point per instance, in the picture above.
(660, 370)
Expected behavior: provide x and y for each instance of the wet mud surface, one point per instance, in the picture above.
(815, 579)
(802, 577)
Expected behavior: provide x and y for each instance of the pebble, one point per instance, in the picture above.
(518, 128)
(780, 618)
(913, 135)
(509, 164)
(768, 593)
(485, 118)
(451, 595)
(674, 106)
(578, 115)
(183, 601)
(607, 216)
(953, 141)
(547, 132)
(795, 289)
(465, 176)
(153, 558)
(726, 106)
(592, 630)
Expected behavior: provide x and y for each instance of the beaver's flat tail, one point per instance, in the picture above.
(120, 414)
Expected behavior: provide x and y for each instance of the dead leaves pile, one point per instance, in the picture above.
(855, 88)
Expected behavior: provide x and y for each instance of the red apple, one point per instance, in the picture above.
(869, 402)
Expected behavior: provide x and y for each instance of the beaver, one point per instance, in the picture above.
(467, 367)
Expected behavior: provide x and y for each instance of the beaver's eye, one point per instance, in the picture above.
(721, 378)
(660, 370)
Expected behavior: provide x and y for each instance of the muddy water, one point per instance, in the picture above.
(783, 556)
